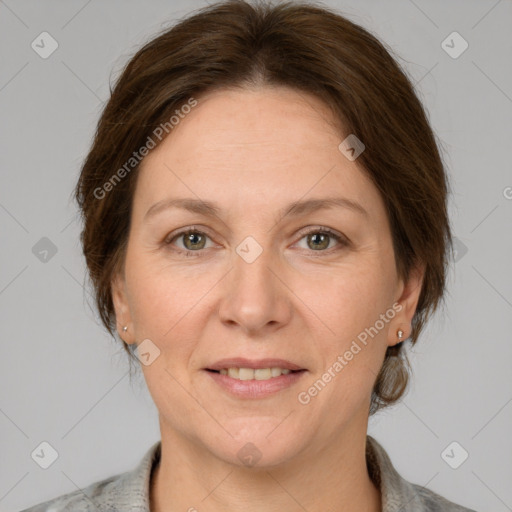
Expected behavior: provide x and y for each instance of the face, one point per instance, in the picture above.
(255, 280)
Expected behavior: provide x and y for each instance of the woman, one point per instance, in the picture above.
(265, 224)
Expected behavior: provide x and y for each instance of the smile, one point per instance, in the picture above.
(255, 383)
(254, 373)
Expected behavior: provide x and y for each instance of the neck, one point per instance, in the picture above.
(334, 477)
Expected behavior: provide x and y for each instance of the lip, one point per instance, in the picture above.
(255, 388)
(241, 362)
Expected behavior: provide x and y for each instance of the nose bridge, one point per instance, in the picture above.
(255, 296)
(252, 261)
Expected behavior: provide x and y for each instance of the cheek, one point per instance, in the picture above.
(167, 303)
(351, 332)
(152, 298)
(347, 300)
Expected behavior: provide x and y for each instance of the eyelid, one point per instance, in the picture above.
(321, 229)
(183, 231)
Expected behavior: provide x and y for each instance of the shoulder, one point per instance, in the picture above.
(398, 493)
(99, 494)
(433, 502)
(124, 491)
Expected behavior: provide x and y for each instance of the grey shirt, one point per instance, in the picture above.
(129, 492)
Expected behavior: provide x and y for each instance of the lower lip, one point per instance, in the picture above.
(255, 388)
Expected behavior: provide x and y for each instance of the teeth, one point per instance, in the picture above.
(250, 373)
(233, 372)
(245, 373)
(262, 373)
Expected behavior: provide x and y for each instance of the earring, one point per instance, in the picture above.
(125, 328)
(400, 335)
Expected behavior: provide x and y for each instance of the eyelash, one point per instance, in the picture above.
(342, 241)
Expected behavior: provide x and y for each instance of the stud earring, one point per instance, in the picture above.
(125, 328)
(400, 335)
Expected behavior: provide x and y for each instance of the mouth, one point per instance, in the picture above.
(244, 378)
(241, 373)
(254, 388)
(241, 368)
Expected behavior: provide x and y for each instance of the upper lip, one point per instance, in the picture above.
(241, 362)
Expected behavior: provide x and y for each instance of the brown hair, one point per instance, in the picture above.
(310, 49)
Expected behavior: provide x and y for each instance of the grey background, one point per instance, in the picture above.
(64, 381)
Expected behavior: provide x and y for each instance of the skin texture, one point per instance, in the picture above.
(254, 151)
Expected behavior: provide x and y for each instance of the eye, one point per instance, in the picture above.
(318, 239)
(192, 239)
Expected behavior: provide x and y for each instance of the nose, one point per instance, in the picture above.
(255, 296)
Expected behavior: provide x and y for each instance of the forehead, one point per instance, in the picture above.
(275, 144)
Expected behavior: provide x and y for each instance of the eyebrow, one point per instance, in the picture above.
(209, 209)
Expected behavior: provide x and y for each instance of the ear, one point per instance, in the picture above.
(408, 301)
(122, 309)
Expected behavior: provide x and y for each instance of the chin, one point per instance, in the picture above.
(259, 442)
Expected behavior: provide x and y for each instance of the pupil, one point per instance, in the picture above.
(191, 237)
(324, 237)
